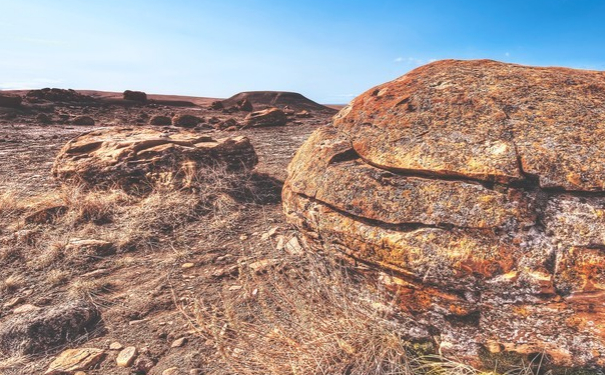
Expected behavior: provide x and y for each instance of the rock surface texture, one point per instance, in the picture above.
(43, 330)
(475, 191)
(129, 157)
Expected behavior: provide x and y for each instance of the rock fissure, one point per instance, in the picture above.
(478, 189)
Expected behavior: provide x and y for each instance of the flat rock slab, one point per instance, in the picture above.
(73, 360)
(139, 156)
(473, 191)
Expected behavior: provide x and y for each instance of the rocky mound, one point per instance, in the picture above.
(137, 157)
(474, 190)
(56, 95)
(265, 99)
(10, 101)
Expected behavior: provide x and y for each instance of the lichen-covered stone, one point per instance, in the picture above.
(474, 192)
(137, 157)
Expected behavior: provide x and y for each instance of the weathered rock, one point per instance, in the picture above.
(10, 101)
(116, 346)
(229, 123)
(126, 357)
(46, 329)
(138, 96)
(474, 191)
(186, 121)
(160, 120)
(216, 105)
(72, 360)
(83, 120)
(128, 157)
(267, 117)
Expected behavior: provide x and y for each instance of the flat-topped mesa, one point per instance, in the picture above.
(474, 191)
(280, 99)
(137, 157)
(485, 120)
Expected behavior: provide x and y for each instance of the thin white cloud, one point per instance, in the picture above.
(507, 54)
(28, 85)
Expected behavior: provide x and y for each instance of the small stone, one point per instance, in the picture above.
(233, 288)
(14, 302)
(281, 243)
(116, 346)
(179, 342)
(126, 356)
(143, 364)
(80, 373)
(188, 265)
(136, 322)
(268, 234)
(243, 237)
(263, 265)
(171, 371)
(195, 371)
(72, 360)
(293, 247)
(25, 309)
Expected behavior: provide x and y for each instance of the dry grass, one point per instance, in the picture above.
(301, 317)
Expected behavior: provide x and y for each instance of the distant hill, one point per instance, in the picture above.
(279, 99)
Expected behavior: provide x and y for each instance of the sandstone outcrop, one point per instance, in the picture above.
(138, 157)
(267, 117)
(475, 192)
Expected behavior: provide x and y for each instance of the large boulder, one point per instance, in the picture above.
(137, 157)
(47, 329)
(475, 191)
(10, 101)
(137, 96)
(267, 117)
(186, 121)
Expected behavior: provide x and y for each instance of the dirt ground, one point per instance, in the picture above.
(149, 296)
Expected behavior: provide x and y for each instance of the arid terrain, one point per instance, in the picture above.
(192, 291)
(425, 228)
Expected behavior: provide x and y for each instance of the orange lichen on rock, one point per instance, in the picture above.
(474, 191)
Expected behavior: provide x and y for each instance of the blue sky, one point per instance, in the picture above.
(327, 50)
